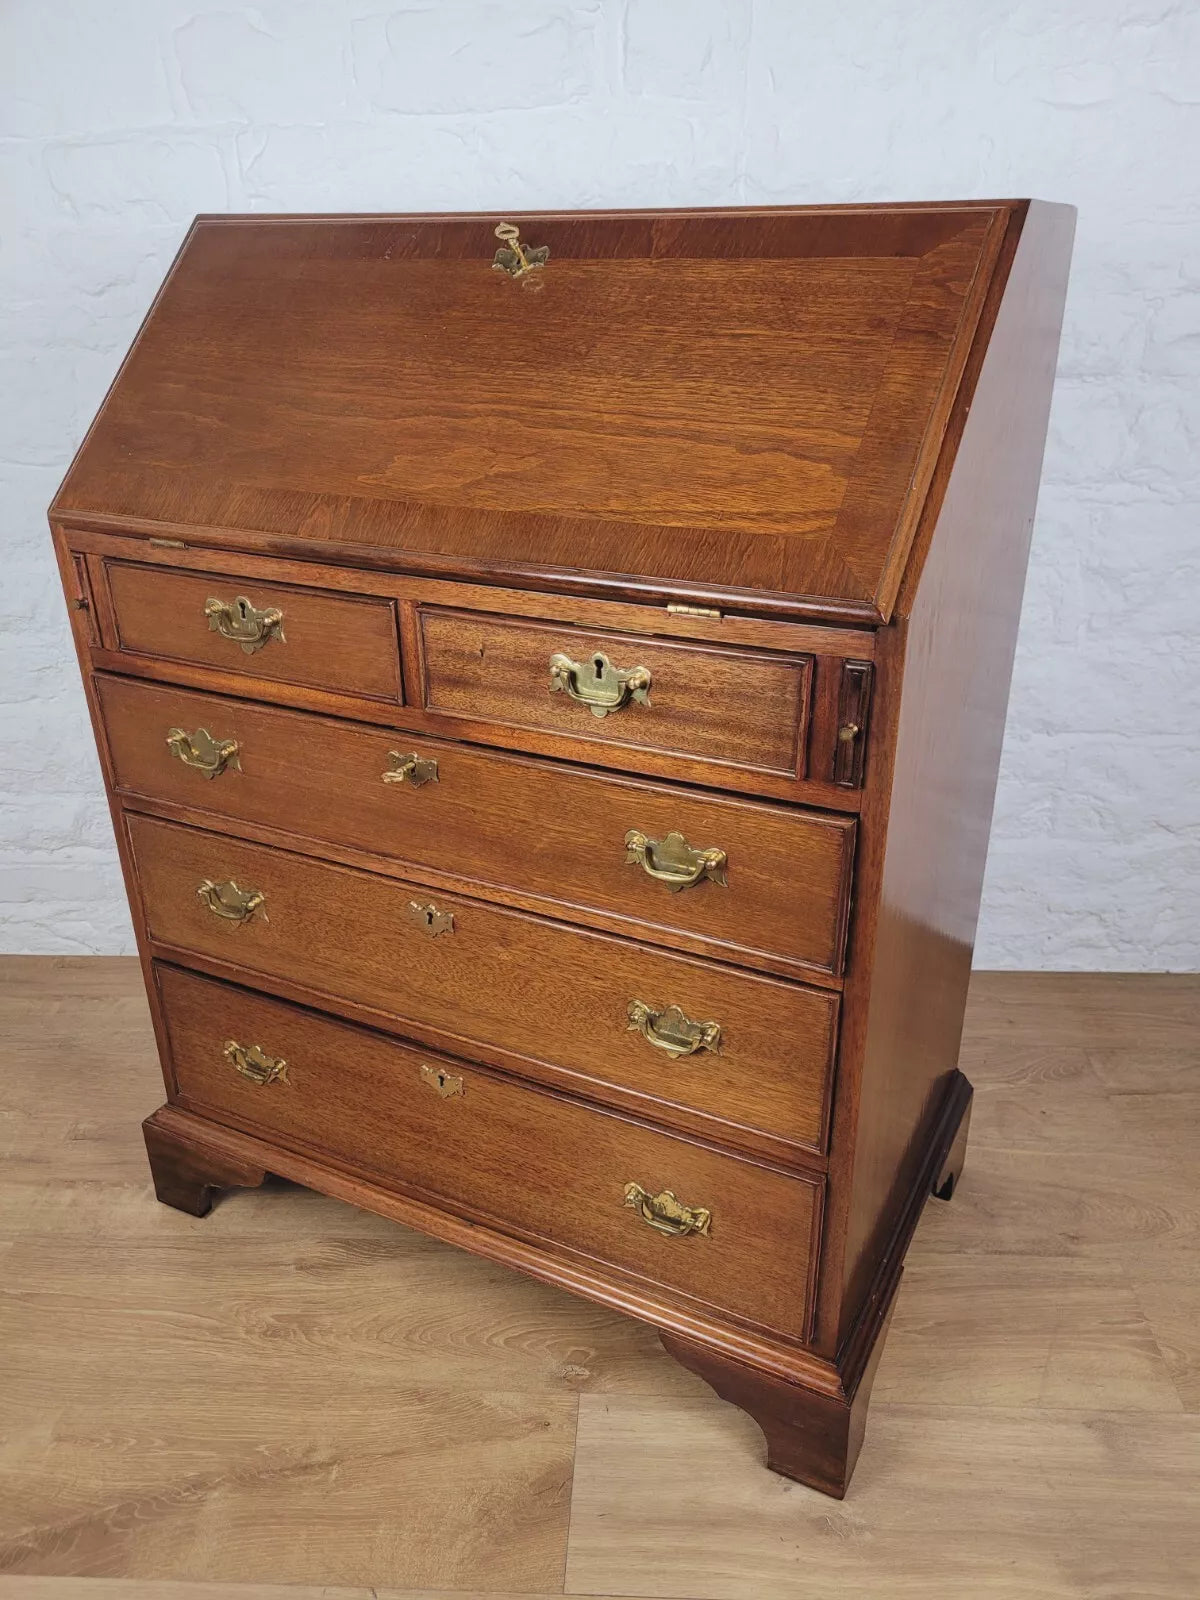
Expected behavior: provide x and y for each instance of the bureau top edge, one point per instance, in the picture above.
(679, 597)
(674, 610)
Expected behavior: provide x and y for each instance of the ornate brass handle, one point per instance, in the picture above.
(243, 623)
(669, 1215)
(254, 1063)
(597, 684)
(672, 1030)
(673, 861)
(412, 769)
(200, 750)
(228, 901)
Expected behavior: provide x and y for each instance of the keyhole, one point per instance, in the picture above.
(598, 664)
(428, 914)
(441, 1078)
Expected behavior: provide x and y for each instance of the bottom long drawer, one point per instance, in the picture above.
(526, 1158)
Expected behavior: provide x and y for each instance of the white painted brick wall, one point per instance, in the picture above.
(119, 121)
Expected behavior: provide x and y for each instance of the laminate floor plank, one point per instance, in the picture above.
(22, 1588)
(1018, 1330)
(996, 1503)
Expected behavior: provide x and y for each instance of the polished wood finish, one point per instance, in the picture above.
(741, 710)
(761, 414)
(218, 1410)
(943, 672)
(813, 1438)
(537, 996)
(332, 643)
(818, 432)
(825, 650)
(189, 1174)
(548, 837)
(500, 1155)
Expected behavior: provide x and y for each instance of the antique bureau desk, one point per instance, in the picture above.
(549, 673)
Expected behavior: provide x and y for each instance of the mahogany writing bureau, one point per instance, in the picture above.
(550, 674)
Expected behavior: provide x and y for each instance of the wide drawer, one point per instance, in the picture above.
(550, 833)
(518, 1157)
(343, 644)
(543, 997)
(744, 710)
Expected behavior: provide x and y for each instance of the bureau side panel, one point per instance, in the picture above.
(948, 657)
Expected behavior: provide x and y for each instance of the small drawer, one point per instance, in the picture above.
(766, 885)
(726, 1232)
(744, 711)
(741, 1057)
(343, 644)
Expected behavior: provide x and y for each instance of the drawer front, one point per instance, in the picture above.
(274, 632)
(555, 998)
(741, 709)
(779, 895)
(516, 1156)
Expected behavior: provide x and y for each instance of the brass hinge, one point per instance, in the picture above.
(693, 611)
(168, 544)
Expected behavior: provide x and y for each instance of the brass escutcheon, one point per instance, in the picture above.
(429, 919)
(201, 751)
(412, 769)
(515, 258)
(667, 1214)
(597, 684)
(673, 861)
(226, 900)
(243, 623)
(445, 1083)
(673, 1030)
(253, 1062)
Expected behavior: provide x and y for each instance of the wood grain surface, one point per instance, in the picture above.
(743, 710)
(330, 642)
(497, 1152)
(296, 1399)
(750, 400)
(523, 989)
(544, 836)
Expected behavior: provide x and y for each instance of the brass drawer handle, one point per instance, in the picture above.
(672, 1030)
(228, 901)
(254, 1063)
(597, 684)
(412, 769)
(200, 750)
(445, 1083)
(428, 918)
(669, 1215)
(243, 623)
(673, 861)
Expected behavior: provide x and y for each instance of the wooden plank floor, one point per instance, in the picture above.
(291, 1399)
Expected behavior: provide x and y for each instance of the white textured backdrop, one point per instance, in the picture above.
(119, 121)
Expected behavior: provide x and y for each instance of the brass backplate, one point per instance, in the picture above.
(253, 1062)
(517, 259)
(227, 901)
(428, 918)
(411, 768)
(446, 1083)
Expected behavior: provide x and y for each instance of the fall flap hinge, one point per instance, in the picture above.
(693, 611)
